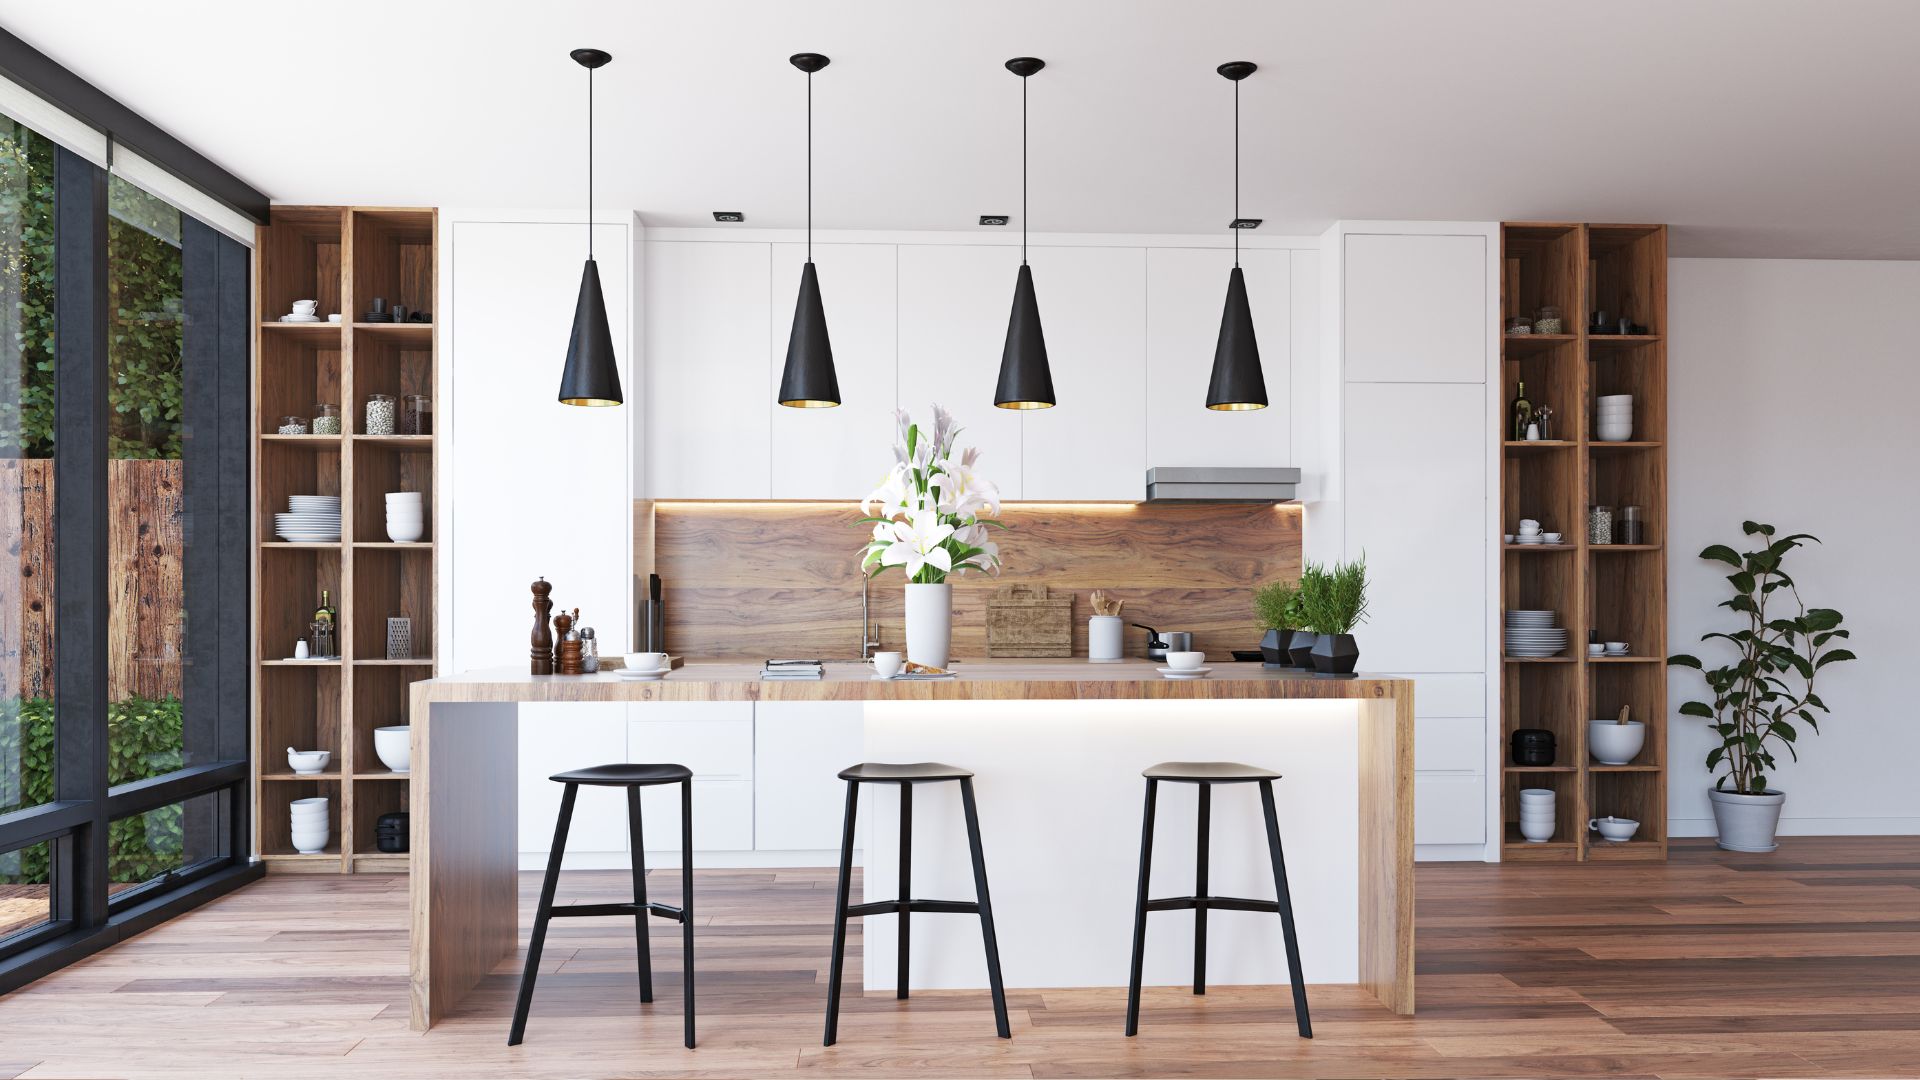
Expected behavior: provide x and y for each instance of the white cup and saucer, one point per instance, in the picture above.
(1186, 665)
(888, 664)
(303, 311)
(645, 666)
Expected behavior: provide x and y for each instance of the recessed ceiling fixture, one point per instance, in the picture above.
(729, 215)
(592, 377)
(1026, 382)
(993, 219)
(1245, 223)
(1237, 383)
(809, 381)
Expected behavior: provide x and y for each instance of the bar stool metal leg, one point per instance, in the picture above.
(906, 886)
(840, 917)
(543, 914)
(686, 900)
(1140, 912)
(986, 910)
(1286, 911)
(1200, 889)
(641, 915)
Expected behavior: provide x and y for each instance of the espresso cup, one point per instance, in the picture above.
(646, 661)
(1186, 661)
(887, 664)
(305, 307)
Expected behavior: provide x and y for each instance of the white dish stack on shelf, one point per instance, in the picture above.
(1536, 814)
(1531, 634)
(1613, 418)
(311, 829)
(406, 517)
(310, 519)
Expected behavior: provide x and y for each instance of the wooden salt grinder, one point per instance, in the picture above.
(566, 660)
(542, 650)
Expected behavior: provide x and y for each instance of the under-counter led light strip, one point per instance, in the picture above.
(1011, 504)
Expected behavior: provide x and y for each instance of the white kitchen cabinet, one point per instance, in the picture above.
(1416, 505)
(836, 453)
(799, 749)
(707, 430)
(1449, 808)
(1186, 293)
(513, 289)
(1416, 308)
(713, 738)
(1092, 301)
(555, 737)
(954, 303)
(1450, 744)
(722, 817)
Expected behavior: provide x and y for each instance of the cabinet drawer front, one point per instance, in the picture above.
(1449, 809)
(713, 749)
(1450, 744)
(722, 816)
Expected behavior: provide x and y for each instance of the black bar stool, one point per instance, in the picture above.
(633, 778)
(907, 776)
(1205, 774)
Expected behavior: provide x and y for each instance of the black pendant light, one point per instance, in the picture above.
(1237, 384)
(808, 382)
(1026, 382)
(591, 377)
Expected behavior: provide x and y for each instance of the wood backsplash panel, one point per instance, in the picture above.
(754, 580)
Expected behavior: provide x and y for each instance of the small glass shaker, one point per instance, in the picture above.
(417, 417)
(589, 651)
(1599, 525)
(1633, 530)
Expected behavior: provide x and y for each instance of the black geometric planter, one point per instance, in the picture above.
(1335, 654)
(1300, 649)
(1273, 648)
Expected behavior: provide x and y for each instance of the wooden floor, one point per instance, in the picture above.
(1805, 962)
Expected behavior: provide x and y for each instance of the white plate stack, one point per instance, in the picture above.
(1532, 634)
(406, 517)
(1613, 418)
(311, 829)
(1536, 814)
(310, 519)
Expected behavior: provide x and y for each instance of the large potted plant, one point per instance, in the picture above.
(930, 517)
(1336, 603)
(1761, 696)
(1277, 605)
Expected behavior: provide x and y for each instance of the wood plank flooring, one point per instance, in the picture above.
(1805, 962)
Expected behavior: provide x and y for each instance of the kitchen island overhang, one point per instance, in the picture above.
(464, 780)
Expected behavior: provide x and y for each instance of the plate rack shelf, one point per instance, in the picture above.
(342, 257)
(1611, 592)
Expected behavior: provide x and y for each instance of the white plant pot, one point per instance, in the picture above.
(929, 623)
(1747, 822)
(1613, 743)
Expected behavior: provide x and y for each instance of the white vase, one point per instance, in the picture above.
(929, 623)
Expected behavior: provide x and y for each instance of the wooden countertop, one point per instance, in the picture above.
(1025, 680)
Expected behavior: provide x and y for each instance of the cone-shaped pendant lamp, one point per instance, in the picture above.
(1026, 382)
(1237, 383)
(808, 381)
(592, 377)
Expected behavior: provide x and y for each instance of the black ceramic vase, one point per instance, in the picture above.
(1335, 654)
(1273, 648)
(1300, 649)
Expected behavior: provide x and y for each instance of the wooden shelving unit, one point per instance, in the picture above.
(1616, 591)
(342, 257)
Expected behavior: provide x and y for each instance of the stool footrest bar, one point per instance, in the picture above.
(575, 911)
(894, 907)
(1212, 903)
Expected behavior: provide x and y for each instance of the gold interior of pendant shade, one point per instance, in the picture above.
(808, 403)
(1237, 406)
(1024, 404)
(593, 402)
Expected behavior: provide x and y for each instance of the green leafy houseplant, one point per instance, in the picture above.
(1759, 697)
(1277, 605)
(1335, 596)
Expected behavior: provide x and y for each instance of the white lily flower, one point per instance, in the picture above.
(916, 544)
(892, 494)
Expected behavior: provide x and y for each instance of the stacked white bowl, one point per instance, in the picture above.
(406, 517)
(1613, 418)
(1536, 814)
(311, 829)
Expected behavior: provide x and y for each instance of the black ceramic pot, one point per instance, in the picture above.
(1335, 654)
(1273, 648)
(1300, 649)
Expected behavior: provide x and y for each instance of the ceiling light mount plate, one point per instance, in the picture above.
(1238, 69)
(591, 58)
(994, 219)
(1024, 66)
(729, 215)
(808, 62)
(1246, 223)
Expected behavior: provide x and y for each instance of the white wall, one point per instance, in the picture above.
(1792, 386)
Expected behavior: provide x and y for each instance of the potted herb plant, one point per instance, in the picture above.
(1277, 604)
(930, 517)
(1760, 697)
(1313, 580)
(1336, 604)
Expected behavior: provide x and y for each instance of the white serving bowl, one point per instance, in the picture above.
(405, 532)
(311, 844)
(1613, 743)
(1186, 661)
(317, 801)
(394, 746)
(1536, 794)
(308, 761)
(1537, 832)
(1615, 828)
(1616, 436)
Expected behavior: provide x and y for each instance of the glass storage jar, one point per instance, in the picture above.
(1519, 324)
(1548, 321)
(293, 425)
(326, 419)
(417, 417)
(1599, 525)
(380, 413)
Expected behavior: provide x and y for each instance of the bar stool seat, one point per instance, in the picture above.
(880, 772)
(1207, 772)
(624, 775)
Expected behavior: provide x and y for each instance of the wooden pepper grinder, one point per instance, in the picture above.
(568, 661)
(542, 651)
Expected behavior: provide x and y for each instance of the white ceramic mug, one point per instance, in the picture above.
(888, 664)
(305, 307)
(647, 661)
(1186, 661)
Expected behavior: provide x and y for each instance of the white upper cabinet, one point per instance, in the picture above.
(1186, 293)
(707, 326)
(836, 453)
(1088, 446)
(954, 303)
(1416, 308)
(1416, 504)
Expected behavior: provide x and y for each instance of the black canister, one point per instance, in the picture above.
(1532, 747)
(390, 833)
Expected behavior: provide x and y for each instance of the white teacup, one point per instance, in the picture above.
(305, 307)
(1614, 828)
(1186, 661)
(646, 661)
(888, 664)
(1527, 524)
(1616, 648)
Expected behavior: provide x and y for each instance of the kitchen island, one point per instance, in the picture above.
(1057, 746)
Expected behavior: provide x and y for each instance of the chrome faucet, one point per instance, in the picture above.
(869, 638)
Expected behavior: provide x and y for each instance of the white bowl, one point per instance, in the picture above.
(406, 517)
(405, 532)
(1614, 399)
(311, 845)
(317, 800)
(1614, 828)
(1186, 661)
(1536, 795)
(1616, 436)
(394, 746)
(1536, 832)
(1510, 538)
(1613, 743)
(308, 761)
(405, 496)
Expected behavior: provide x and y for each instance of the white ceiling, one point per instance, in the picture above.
(1756, 127)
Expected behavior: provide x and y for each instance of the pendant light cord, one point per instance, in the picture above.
(1236, 174)
(809, 166)
(589, 164)
(1023, 170)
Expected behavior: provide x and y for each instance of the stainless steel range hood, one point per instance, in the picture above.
(1221, 484)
